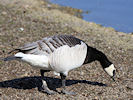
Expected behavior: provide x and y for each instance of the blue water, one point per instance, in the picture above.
(109, 13)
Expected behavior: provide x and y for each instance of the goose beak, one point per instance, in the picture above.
(114, 71)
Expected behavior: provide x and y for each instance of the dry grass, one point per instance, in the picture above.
(23, 21)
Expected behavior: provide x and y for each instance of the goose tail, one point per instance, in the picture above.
(8, 58)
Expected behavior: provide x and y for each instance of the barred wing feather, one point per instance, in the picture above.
(48, 44)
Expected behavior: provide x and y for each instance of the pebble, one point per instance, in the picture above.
(4, 13)
(21, 29)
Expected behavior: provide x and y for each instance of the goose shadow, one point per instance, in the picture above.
(35, 82)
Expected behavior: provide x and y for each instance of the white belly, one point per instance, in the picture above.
(67, 58)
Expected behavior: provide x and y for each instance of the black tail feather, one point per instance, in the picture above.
(8, 58)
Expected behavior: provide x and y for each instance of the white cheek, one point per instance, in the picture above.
(110, 69)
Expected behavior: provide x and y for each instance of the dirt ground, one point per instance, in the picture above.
(23, 21)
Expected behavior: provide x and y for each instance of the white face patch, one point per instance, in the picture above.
(110, 69)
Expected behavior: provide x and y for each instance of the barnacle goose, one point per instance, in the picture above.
(60, 53)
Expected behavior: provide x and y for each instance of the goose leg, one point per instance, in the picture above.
(44, 87)
(63, 79)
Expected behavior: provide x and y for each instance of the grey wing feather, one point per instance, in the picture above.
(69, 40)
(29, 46)
(48, 44)
(32, 48)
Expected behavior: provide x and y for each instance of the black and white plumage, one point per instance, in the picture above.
(60, 53)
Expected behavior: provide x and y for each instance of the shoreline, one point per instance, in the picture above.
(100, 13)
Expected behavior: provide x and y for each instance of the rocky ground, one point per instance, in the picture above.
(23, 21)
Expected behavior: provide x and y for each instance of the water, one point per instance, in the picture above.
(109, 13)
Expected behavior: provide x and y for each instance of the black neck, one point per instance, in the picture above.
(94, 54)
